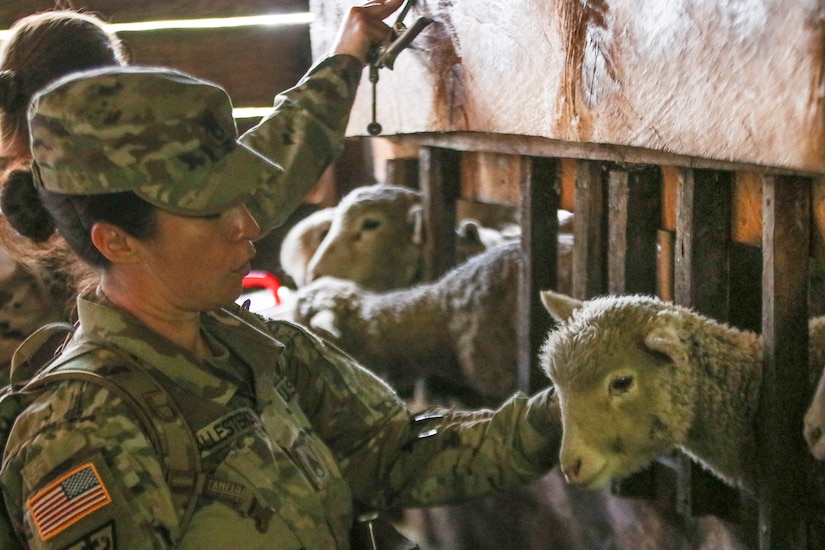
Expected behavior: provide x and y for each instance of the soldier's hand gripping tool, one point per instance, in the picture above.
(384, 54)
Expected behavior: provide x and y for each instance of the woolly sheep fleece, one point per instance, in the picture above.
(815, 417)
(375, 237)
(301, 242)
(637, 377)
(460, 328)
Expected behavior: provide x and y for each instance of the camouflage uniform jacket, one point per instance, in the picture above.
(304, 134)
(278, 411)
(290, 419)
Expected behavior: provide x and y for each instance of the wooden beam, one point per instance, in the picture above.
(590, 227)
(440, 173)
(785, 381)
(540, 200)
(546, 147)
(402, 171)
(702, 242)
(568, 183)
(747, 207)
(123, 11)
(702, 260)
(252, 63)
(634, 199)
(682, 78)
(817, 283)
(491, 177)
(664, 277)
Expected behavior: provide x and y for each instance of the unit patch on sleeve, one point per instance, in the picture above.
(69, 498)
(102, 538)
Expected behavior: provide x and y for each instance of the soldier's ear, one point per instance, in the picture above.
(114, 243)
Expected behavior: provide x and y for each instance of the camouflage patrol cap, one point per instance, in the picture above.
(167, 136)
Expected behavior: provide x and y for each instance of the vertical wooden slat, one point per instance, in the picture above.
(402, 171)
(634, 200)
(353, 167)
(540, 200)
(783, 456)
(816, 293)
(589, 242)
(703, 242)
(664, 278)
(618, 197)
(440, 175)
(746, 286)
(701, 282)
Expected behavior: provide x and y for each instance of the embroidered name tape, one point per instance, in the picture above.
(67, 500)
(226, 428)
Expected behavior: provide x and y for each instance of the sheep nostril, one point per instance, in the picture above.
(814, 435)
(572, 472)
(577, 468)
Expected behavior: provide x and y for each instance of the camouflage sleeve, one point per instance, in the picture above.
(390, 457)
(78, 472)
(303, 134)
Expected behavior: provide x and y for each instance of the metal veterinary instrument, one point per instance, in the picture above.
(383, 55)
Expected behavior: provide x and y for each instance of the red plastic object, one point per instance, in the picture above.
(263, 279)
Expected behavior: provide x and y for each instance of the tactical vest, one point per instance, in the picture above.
(41, 360)
(45, 358)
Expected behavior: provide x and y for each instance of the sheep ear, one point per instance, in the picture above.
(664, 337)
(468, 229)
(560, 306)
(323, 323)
(415, 217)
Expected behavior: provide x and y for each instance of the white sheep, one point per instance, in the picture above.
(637, 377)
(461, 327)
(376, 239)
(301, 242)
(814, 430)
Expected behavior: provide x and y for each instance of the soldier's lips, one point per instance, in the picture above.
(243, 270)
(246, 267)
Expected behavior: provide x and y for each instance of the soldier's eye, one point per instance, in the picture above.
(620, 385)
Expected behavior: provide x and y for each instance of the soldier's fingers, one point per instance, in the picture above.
(382, 8)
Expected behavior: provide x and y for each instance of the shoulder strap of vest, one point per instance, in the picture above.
(161, 418)
(45, 357)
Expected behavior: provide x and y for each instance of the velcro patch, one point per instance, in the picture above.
(69, 498)
(102, 538)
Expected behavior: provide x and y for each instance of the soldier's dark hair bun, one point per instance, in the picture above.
(23, 208)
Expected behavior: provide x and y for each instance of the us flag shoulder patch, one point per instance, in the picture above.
(65, 501)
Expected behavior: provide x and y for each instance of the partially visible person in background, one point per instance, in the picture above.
(38, 281)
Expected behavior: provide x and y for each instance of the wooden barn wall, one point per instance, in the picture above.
(252, 63)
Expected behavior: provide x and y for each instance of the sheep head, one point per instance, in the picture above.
(375, 239)
(615, 362)
(327, 304)
(301, 242)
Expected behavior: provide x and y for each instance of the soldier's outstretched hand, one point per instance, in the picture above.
(364, 27)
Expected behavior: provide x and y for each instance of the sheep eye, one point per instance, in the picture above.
(370, 224)
(620, 385)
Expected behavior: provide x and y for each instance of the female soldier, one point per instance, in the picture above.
(36, 284)
(141, 171)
